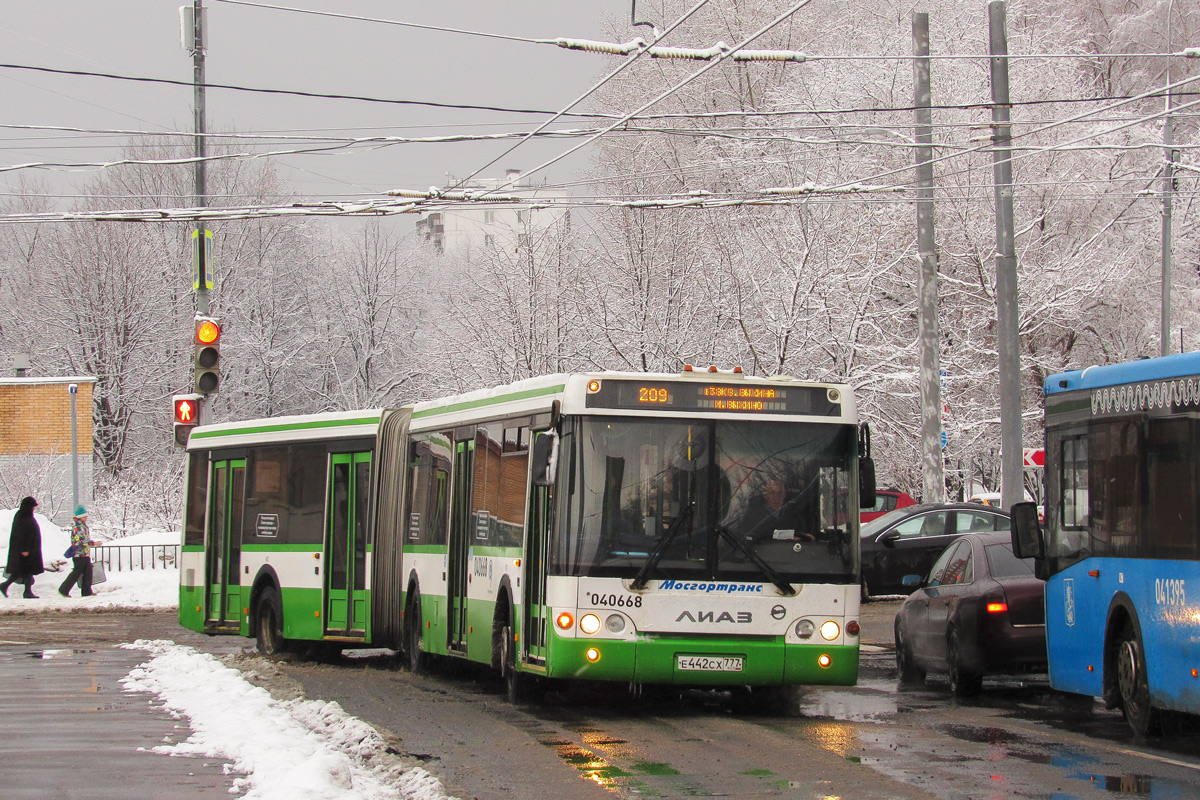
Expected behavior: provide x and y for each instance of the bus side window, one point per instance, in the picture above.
(1171, 486)
(428, 498)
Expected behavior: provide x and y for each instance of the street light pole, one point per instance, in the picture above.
(74, 390)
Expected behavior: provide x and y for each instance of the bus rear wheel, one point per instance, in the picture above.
(268, 617)
(1144, 719)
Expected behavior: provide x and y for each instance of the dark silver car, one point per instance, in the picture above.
(979, 611)
(908, 540)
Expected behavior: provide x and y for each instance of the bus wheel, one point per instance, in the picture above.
(1144, 719)
(908, 672)
(962, 682)
(418, 662)
(269, 617)
(518, 685)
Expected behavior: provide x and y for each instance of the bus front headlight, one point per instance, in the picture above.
(589, 623)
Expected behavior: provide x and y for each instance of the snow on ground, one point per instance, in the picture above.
(292, 750)
(144, 589)
(282, 750)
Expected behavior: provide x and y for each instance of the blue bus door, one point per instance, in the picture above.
(460, 542)
(223, 545)
(346, 545)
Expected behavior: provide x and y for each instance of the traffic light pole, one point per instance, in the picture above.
(201, 278)
(201, 194)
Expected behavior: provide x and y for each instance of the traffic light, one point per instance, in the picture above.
(208, 355)
(187, 415)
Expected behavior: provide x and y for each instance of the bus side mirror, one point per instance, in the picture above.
(544, 458)
(1027, 538)
(866, 483)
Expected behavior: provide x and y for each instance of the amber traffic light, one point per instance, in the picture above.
(208, 355)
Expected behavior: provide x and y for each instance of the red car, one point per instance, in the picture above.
(980, 611)
(886, 500)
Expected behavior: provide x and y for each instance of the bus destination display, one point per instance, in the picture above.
(698, 396)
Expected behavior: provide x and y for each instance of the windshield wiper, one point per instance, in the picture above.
(757, 560)
(639, 581)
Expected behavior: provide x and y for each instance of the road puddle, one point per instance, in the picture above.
(64, 653)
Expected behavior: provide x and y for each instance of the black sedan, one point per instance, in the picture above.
(980, 611)
(907, 540)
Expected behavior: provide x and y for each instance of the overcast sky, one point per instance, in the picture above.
(277, 49)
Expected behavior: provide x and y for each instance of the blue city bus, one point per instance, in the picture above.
(1120, 548)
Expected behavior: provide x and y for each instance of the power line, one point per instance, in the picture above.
(291, 92)
(596, 86)
(667, 93)
(356, 18)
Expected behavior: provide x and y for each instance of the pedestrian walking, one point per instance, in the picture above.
(81, 556)
(24, 550)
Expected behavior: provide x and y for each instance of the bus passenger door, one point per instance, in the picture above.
(346, 544)
(533, 609)
(460, 541)
(223, 545)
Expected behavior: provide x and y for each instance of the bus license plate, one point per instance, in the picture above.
(710, 663)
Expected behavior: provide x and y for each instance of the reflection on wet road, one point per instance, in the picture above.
(1019, 739)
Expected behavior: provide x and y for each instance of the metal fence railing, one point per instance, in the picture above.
(120, 557)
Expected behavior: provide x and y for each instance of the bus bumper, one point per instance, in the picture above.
(765, 661)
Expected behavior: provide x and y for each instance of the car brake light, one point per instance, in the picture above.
(997, 608)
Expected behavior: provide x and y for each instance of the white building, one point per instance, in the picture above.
(485, 226)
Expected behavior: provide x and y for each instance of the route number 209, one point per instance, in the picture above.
(615, 600)
(650, 394)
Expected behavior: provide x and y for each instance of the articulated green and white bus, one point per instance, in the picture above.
(697, 528)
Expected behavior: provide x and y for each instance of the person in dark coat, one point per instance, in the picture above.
(24, 550)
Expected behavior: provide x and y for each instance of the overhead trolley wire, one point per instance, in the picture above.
(596, 86)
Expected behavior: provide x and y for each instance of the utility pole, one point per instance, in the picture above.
(932, 474)
(1008, 334)
(1168, 202)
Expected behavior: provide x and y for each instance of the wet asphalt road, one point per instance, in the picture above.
(1019, 739)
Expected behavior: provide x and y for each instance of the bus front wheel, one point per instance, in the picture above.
(269, 618)
(417, 660)
(1134, 686)
(517, 685)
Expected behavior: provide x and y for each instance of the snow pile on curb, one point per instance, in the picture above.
(290, 750)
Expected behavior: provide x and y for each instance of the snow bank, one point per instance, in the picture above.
(292, 750)
(139, 589)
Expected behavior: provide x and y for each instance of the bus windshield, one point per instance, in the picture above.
(731, 500)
